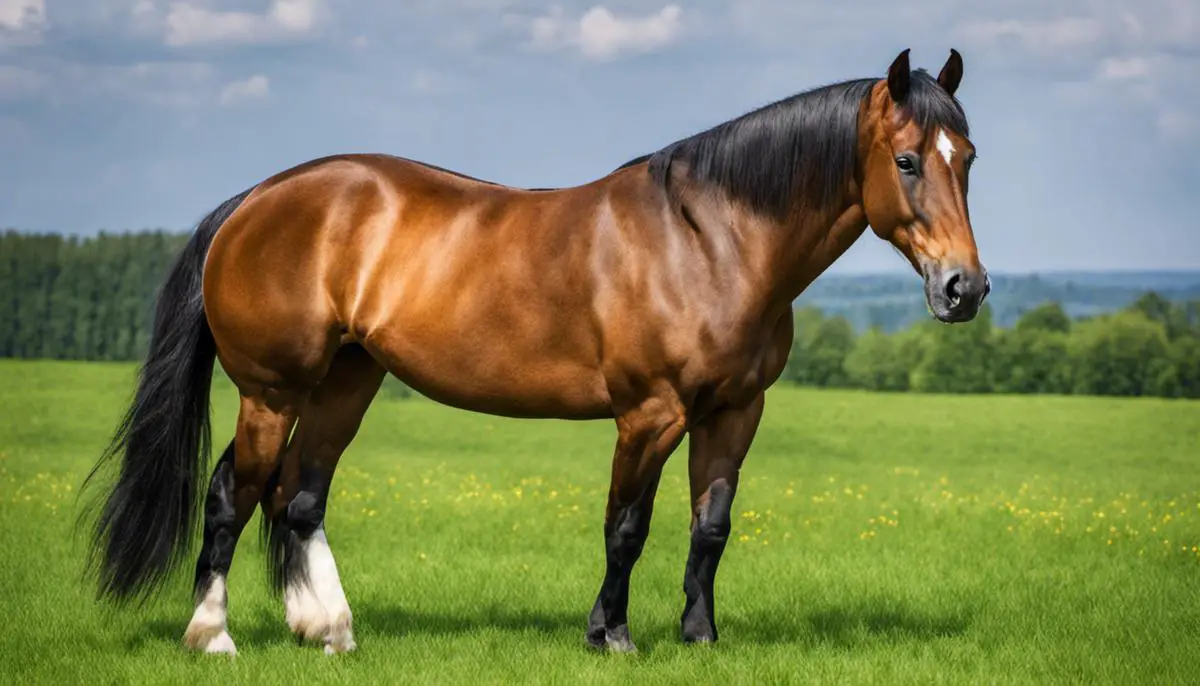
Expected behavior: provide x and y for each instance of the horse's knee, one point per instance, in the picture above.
(630, 533)
(305, 513)
(713, 522)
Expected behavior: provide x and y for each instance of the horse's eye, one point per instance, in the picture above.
(906, 165)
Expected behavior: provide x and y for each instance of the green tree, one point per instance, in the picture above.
(958, 358)
(1172, 316)
(62, 304)
(819, 351)
(1185, 354)
(10, 295)
(34, 270)
(1032, 360)
(72, 298)
(1049, 316)
(880, 362)
(1192, 312)
(805, 322)
(1122, 354)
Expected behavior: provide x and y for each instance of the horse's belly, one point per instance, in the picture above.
(494, 376)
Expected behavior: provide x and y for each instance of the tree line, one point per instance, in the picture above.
(1150, 348)
(894, 301)
(73, 298)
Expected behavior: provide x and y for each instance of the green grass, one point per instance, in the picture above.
(877, 539)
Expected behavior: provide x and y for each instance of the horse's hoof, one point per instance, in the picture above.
(340, 638)
(701, 637)
(212, 640)
(204, 637)
(611, 641)
(617, 640)
(698, 629)
(620, 646)
(339, 648)
(221, 645)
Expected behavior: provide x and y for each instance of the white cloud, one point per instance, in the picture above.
(601, 35)
(21, 15)
(1098, 28)
(256, 87)
(190, 24)
(21, 21)
(1153, 87)
(142, 8)
(1124, 68)
(1140, 57)
(1039, 35)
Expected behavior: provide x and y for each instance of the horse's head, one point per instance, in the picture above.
(916, 158)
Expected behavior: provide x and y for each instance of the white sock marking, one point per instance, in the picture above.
(318, 609)
(945, 145)
(207, 630)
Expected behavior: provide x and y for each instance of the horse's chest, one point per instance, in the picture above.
(740, 373)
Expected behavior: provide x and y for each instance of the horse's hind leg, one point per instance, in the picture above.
(303, 564)
(264, 423)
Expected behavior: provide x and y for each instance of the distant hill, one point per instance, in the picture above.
(893, 301)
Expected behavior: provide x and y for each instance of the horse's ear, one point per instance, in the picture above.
(898, 77)
(952, 73)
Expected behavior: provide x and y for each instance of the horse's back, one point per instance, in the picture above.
(482, 295)
(468, 290)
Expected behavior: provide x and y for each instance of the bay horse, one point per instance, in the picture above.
(659, 296)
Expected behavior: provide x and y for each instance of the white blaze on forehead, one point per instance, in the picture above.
(945, 145)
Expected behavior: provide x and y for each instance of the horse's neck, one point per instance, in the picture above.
(758, 265)
(804, 250)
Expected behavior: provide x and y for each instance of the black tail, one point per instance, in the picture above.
(148, 519)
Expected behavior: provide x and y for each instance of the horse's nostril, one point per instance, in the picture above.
(954, 288)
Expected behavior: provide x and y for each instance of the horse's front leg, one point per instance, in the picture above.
(717, 447)
(648, 435)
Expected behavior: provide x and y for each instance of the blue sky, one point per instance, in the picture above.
(131, 114)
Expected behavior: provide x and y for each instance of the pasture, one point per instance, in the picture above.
(886, 538)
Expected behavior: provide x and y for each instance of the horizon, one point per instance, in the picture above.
(124, 114)
(901, 270)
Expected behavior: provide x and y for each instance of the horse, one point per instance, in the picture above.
(658, 296)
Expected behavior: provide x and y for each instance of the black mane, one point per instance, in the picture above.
(808, 141)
